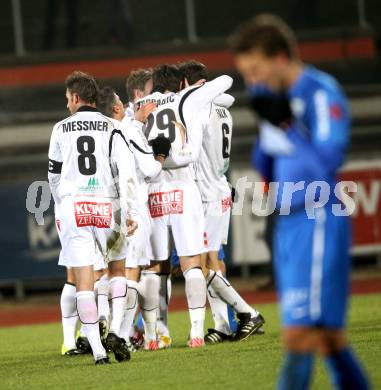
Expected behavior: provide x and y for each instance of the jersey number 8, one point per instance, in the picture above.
(87, 163)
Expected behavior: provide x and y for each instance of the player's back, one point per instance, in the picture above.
(82, 143)
(214, 158)
(168, 121)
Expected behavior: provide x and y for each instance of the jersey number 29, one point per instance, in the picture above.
(165, 123)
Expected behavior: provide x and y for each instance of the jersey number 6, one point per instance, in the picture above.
(225, 141)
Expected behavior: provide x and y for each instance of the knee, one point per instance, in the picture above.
(116, 268)
(299, 339)
(330, 342)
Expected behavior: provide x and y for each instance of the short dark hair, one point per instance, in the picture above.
(166, 78)
(106, 101)
(84, 85)
(193, 71)
(137, 79)
(267, 33)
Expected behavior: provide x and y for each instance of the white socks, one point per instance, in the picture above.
(69, 315)
(130, 311)
(149, 293)
(118, 298)
(219, 312)
(101, 289)
(195, 290)
(87, 311)
(227, 293)
(164, 298)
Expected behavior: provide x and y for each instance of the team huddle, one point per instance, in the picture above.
(140, 191)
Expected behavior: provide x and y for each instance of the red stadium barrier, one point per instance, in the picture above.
(218, 60)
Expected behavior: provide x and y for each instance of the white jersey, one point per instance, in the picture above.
(89, 157)
(129, 111)
(214, 158)
(177, 118)
(146, 165)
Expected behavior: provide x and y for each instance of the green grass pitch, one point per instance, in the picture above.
(30, 359)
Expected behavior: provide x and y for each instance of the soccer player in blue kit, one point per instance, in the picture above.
(304, 135)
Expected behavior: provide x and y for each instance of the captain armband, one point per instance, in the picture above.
(55, 166)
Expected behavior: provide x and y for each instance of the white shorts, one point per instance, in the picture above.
(176, 207)
(139, 252)
(99, 264)
(88, 226)
(217, 219)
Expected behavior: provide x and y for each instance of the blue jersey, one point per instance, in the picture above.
(319, 133)
(311, 256)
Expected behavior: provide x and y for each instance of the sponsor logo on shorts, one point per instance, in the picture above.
(165, 203)
(93, 214)
(226, 203)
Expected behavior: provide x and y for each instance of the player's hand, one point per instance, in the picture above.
(274, 141)
(161, 146)
(142, 113)
(131, 227)
(275, 108)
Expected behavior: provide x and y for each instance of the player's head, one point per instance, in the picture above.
(193, 72)
(138, 84)
(81, 89)
(263, 47)
(166, 78)
(109, 103)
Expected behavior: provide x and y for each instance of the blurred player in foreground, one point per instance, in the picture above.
(304, 134)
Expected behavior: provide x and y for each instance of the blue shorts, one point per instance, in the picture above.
(175, 261)
(312, 267)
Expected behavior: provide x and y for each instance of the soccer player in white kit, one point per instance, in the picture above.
(87, 157)
(148, 167)
(215, 191)
(174, 200)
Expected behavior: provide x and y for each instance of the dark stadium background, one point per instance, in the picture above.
(341, 37)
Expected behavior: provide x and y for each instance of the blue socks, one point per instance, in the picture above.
(139, 322)
(346, 372)
(232, 321)
(344, 369)
(296, 371)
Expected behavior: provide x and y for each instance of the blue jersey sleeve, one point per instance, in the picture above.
(320, 136)
(262, 162)
(328, 122)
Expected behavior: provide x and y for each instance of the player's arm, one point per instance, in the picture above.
(55, 164)
(329, 125)
(192, 147)
(262, 162)
(224, 100)
(143, 153)
(197, 98)
(124, 169)
(193, 102)
(326, 139)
